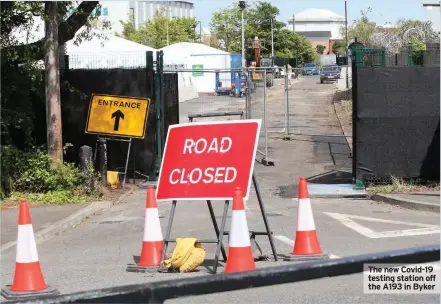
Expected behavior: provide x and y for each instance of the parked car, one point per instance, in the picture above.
(310, 69)
(330, 73)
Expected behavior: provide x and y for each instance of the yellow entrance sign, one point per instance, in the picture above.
(117, 115)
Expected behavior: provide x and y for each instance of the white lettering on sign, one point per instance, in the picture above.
(201, 145)
(209, 175)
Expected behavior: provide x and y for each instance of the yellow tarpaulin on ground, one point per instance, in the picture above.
(187, 256)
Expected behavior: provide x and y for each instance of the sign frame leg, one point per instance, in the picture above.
(168, 231)
(265, 219)
(220, 232)
(216, 227)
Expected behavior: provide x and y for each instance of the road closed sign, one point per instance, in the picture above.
(208, 160)
(117, 116)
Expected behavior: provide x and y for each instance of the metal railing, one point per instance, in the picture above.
(158, 292)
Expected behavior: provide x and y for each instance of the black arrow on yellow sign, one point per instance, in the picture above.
(117, 115)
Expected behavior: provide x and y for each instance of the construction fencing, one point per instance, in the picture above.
(210, 94)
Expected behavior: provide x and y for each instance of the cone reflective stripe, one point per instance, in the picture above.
(28, 279)
(240, 253)
(306, 242)
(153, 242)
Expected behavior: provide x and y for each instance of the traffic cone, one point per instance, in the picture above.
(306, 245)
(28, 278)
(240, 253)
(153, 243)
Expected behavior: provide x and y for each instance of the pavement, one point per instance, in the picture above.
(425, 201)
(95, 253)
(42, 217)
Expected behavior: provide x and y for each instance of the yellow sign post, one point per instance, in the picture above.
(117, 115)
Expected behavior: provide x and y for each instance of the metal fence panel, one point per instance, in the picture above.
(204, 91)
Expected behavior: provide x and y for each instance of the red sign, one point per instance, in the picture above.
(208, 160)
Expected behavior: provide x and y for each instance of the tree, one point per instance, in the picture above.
(16, 14)
(362, 28)
(22, 71)
(226, 24)
(339, 48)
(291, 45)
(320, 49)
(159, 31)
(53, 107)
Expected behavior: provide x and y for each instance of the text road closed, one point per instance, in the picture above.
(208, 160)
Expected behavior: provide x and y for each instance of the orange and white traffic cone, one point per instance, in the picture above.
(153, 242)
(306, 245)
(28, 278)
(240, 253)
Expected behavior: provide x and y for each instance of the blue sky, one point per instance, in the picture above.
(382, 10)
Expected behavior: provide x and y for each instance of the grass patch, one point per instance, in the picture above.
(57, 197)
(398, 185)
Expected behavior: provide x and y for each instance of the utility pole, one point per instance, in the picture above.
(168, 19)
(242, 5)
(272, 38)
(346, 46)
(53, 106)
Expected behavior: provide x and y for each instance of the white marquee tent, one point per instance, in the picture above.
(103, 50)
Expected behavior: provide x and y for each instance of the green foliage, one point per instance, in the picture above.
(404, 33)
(22, 75)
(338, 48)
(320, 49)
(31, 172)
(57, 197)
(226, 24)
(290, 45)
(157, 31)
(362, 28)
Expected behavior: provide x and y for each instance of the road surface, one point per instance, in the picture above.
(95, 254)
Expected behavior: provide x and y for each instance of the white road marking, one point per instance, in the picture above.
(290, 242)
(284, 239)
(346, 219)
(287, 241)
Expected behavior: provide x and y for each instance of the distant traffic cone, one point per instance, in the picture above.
(240, 253)
(28, 277)
(153, 243)
(306, 244)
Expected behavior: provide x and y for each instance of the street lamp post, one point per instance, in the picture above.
(242, 5)
(347, 58)
(272, 38)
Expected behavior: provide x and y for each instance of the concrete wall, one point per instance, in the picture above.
(310, 26)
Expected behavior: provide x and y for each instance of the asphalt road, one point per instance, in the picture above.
(95, 254)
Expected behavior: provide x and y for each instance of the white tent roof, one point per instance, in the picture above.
(316, 14)
(178, 53)
(189, 48)
(105, 43)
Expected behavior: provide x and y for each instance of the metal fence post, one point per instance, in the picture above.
(286, 134)
(158, 112)
(265, 122)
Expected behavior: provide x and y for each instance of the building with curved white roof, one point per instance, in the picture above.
(320, 26)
